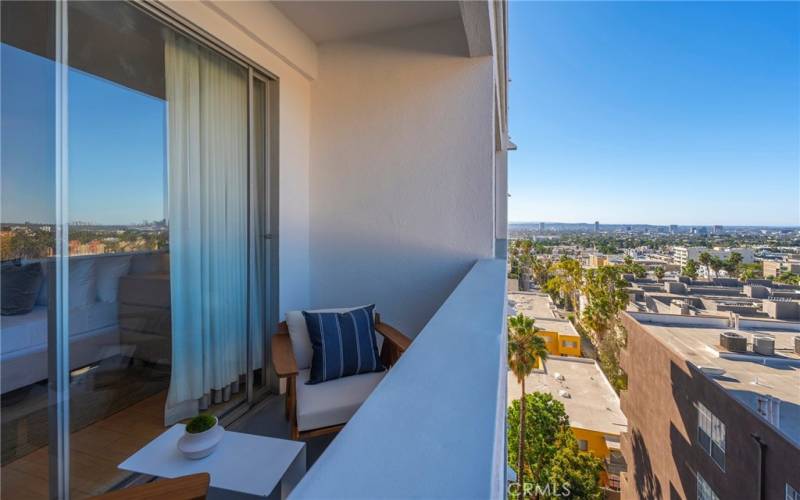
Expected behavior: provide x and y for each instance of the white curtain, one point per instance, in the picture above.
(207, 124)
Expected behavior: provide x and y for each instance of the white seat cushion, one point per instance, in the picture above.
(332, 402)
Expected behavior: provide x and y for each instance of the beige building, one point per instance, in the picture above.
(685, 254)
(774, 268)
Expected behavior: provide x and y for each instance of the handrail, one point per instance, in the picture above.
(435, 425)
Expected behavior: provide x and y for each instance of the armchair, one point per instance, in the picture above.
(314, 410)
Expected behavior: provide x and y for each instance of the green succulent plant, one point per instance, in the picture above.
(201, 423)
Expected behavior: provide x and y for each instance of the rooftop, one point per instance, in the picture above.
(532, 304)
(696, 339)
(539, 306)
(592, 405)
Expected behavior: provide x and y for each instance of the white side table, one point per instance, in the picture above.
(242, 462)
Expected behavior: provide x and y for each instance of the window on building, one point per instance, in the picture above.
(583, 445)
(569, 343)
(791, 493)
(704, 491)
(711, 435)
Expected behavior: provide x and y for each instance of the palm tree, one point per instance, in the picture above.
(540, 272)
(525, 348)
(567, 280)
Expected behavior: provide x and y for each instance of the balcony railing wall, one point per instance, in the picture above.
(435, 426)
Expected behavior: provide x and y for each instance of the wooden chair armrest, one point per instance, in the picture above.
(193, 487)
(393, 335)
(283, 356)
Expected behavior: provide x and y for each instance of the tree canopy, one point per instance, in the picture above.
(551, 451)
(690, 269)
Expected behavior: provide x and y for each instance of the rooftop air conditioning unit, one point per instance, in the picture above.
(764, 345)
(564, 393)
(733, 342)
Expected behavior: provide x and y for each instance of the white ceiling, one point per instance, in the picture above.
(325, 21)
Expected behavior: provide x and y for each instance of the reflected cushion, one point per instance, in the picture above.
(20, 288)
(82, 281)
(109, 270)
(343, 344)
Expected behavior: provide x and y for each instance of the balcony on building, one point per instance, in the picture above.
(382, 131)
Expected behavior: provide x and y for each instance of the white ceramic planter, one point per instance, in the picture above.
(201, 444)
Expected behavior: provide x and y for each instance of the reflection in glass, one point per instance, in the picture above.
(120, 308)
(27, 169)
(167, 204)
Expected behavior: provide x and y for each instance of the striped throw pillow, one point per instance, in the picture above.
(343, 344)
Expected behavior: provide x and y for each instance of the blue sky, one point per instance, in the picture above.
(662, 113)
(117, 146)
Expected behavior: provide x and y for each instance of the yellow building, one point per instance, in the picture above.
(596, 261)
(561, 337)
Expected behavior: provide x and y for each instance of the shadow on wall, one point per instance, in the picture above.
(681, 444)
(407, 282)
(647, 485)
(446, 38)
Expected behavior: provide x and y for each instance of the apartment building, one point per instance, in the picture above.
(599, 260)
(682, 255)
(591, 404)
(303, 155)
(773, 268)
(720, 297)
(560, 335)
(713, 408)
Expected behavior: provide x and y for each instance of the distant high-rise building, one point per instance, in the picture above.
(717, 230)
(596, 226)
(541, 227)
(673, 228)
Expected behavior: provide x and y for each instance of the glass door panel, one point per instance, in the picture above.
(163, 214)
(27, 243)
(119, 280)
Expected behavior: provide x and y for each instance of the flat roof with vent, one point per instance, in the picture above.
(746, 375)
(588, 398)
(539, 307)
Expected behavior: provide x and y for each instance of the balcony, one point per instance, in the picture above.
(358, 160)
(615, 464)
(435, 425)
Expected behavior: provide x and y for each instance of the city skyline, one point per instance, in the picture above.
(705, 133)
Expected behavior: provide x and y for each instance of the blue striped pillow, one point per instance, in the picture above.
(343, 344)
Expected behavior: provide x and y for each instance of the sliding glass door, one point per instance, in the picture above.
(137, 183)
(27, 243)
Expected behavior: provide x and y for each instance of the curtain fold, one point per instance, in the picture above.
(208, 224)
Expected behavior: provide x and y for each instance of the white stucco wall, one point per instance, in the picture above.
(259, 31)
(401, 170)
